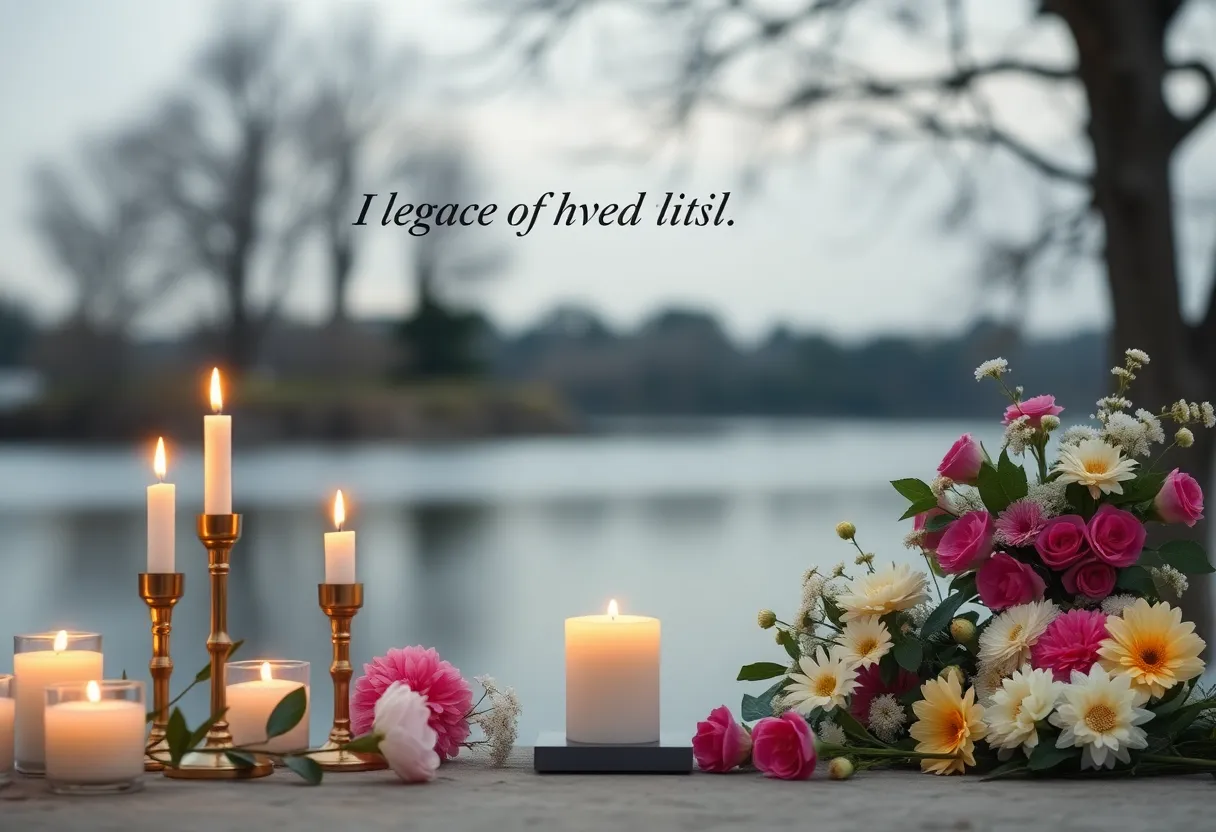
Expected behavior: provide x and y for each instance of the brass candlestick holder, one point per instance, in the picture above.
(340, 602)
(161, 591)
(219, 533)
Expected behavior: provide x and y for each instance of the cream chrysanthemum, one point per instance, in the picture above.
(1153, 647)
(1006, 641)
(826, 681)
(1098, 713)
(1022, 702)
(887, 590)
(865, 640)
(1096, 465)
(947, 722)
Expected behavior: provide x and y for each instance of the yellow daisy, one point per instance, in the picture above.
(947, 722)
(865, 641)
(1153, 646)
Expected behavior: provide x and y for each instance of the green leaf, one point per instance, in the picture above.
(241, 759)
(832, 610)
(852, 727)
(200, 733)
(1046, 756)
(177, 736)
(1186, 556)
(964, 584)
(1078, 497)
(914, 490)
(1142, 489)
(786, 640)
(760, 671)
(287, 714)
(908, 653)
(1138, 580)
(306, 767)
(1174, 699)
(1012, 477)
(941, 617)
(1149, 558)
(919, 507)
(124, 675)
(938, 522)
(1014, 766)
(366, 744)
(758, 707)
(992, 490)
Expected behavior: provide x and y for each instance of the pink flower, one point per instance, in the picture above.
(962, 462)
(1180, 499)
(1090, 577)
(721, 743)
(1020, 523)
(784, 747)
(1062, 541)
(870, 686)
(1116, 536)
(1070, 643)
(447, 694)
(1004, 581)
(930, 540)
(967, 543)
(1036, 408)
(407, 741)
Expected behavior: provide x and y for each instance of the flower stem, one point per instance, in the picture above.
(1170, 759)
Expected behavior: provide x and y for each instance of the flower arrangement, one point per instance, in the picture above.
(1044, 635)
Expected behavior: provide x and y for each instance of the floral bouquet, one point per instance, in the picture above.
(1044, 636)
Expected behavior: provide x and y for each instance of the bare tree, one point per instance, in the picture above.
(824, 65)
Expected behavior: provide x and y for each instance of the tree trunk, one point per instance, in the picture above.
(341, 241)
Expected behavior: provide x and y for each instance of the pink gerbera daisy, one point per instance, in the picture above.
(447, 694)
(1070, 643)
(1020, 523)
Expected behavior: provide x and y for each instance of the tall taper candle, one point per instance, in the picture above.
(162, 509)
(339, 548)
(217, 454)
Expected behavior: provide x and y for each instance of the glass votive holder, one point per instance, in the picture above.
(95, 737)
(8, 718)
(254, 689)
(41, 659)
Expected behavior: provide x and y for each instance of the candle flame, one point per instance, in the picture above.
(158, 463)
(613, 609)
(266, 677)
(217, 393)
(339, 511)
(61, 641)
(93, 691)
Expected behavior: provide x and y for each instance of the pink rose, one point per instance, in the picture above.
(784, 747)
(930, 540)
(1116, 536)
(962, 462)
(1036, 408)
(1180, 499)
(1062, 541)
(1091, 578)
(967, 543)
(1004, 581)
(721, 743)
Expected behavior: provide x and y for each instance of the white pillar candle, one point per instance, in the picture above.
(217, 454)
(8, 714)
(32, 672)
(612, 678)
(250, 705)
(162, 510)
(339, 548)
(95, 741)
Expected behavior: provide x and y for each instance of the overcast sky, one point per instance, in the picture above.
(817, 246)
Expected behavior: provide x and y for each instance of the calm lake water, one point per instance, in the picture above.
(478, 549)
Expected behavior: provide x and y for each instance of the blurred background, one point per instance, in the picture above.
(526, 427)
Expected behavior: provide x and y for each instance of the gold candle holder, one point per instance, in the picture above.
(340, 602)
(160, 591)
(218, 533)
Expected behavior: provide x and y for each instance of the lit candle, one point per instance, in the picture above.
(162, 508)
(217, 454)
(339, 548)
(250, 705)
(36, 669)
(612, 678)
(95, 740)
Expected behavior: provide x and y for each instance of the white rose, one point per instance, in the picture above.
(407, 741)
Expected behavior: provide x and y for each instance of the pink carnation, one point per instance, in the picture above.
(1070, 643)
(447, 694)
(1020, 523)
(1036, 408)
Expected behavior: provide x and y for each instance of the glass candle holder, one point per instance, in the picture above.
(8, 716)
(39, 660)
(95, 737)
(254, 689)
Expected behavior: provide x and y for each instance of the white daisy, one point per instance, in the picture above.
(890, 589)
(1098, 713)
(1096, 465)
(1017, 707)
(865, 640)
(1007, 639)
(825, 682)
